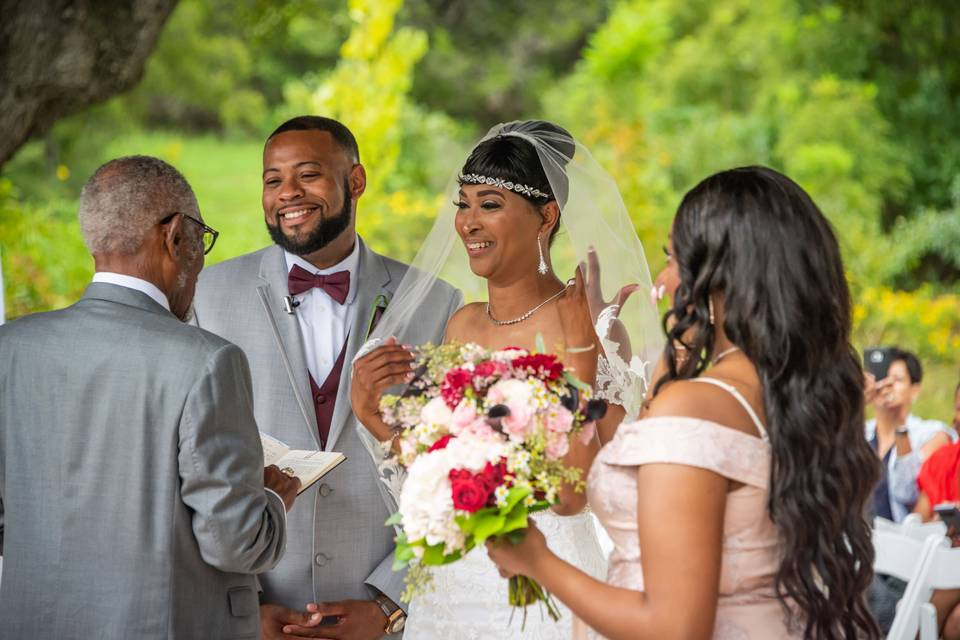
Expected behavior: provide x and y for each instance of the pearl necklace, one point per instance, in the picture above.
(717, 358)
(501, 323)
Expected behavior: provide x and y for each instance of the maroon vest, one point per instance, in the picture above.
(325, 396)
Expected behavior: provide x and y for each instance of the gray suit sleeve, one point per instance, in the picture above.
(387, 581)
(239, 526)
(383, 578)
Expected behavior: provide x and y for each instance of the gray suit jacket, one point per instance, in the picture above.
(131, 477)
(338, 545)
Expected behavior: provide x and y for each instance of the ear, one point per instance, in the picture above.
(550, 213)
(358, 181)
(173, 237)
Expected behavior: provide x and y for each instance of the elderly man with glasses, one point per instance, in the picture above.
(133, 498)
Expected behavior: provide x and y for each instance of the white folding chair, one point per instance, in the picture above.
(916, 528)
(901, 553)
(912, 526)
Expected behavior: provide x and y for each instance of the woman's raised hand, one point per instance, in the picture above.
(595, 293)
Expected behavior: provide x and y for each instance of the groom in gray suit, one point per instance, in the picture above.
(301, 309)
(131, 474)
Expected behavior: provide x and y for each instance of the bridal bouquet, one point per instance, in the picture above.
(482, 437)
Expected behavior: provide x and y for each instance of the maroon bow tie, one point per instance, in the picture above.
(337, 285)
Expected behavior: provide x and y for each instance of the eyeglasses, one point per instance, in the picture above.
(210, 234)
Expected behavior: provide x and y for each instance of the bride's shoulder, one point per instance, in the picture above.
(465, 318)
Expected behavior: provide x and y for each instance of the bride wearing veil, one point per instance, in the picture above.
(529, 203)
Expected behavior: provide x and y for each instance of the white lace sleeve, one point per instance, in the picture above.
(390, 472)
(619, 381)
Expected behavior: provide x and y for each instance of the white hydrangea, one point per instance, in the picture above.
(426, 504)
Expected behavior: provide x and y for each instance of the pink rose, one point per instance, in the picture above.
(436, 412)
(463, 416)
(558, 444)
(517, 397)
(559, 420)
(480, 430)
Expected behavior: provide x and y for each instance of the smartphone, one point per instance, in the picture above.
(950, 515)
(876, 361)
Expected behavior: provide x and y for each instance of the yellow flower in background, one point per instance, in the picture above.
(63, 172)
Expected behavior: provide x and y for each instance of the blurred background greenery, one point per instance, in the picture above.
(858, 100)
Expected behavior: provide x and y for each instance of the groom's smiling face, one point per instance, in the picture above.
(310, 185)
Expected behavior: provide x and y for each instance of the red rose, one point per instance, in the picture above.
(440, 444)
(469, 493)
(493, 475)
(488, 369)
(454, 384)
(542, 365)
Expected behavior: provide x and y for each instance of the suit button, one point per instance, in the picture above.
(321, 559)
(325, 490)
(321, 398)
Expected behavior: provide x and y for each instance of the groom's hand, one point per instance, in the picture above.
(355, 620)
(273, 619)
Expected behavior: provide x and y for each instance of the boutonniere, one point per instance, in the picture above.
(376, 312)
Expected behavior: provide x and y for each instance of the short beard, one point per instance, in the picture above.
(325, 232)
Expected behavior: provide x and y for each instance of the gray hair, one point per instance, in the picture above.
(127, 196)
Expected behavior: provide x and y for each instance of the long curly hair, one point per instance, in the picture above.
(755, 239)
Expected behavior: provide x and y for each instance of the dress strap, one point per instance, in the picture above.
(732, 390)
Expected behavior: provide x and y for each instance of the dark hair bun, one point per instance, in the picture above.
(514, 159)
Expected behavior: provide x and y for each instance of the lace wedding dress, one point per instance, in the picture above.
(469, 598)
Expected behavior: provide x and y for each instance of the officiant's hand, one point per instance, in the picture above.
(273, 619)
(283, 485)
(356, 620)
(382, 368)
(521, 558)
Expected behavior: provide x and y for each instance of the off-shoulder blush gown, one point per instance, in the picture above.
(747, 607)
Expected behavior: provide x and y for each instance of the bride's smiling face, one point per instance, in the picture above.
(499, 230)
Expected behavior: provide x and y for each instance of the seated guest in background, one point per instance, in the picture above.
(939, 477)
(132, 498)
(937, 482)
(899, 438)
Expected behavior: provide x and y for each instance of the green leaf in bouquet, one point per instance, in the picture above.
(468, 523)
(541, 347)
(433, 555)
(394, 519)
(487, 525)
(516, 519)
(575, 381)
(403, 553)
(515, 495)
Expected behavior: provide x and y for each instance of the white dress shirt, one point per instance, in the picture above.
(324, 322)
(133, 283)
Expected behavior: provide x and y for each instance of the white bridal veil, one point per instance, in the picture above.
(593, 216)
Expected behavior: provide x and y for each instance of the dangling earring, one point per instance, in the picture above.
(542, 267)
(713, 319)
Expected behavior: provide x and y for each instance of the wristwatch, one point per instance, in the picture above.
(901, 431)
(396, 618)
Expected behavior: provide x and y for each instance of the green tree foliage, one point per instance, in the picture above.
(671, 92)
(858, 100)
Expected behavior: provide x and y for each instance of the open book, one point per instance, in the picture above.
(308, 466)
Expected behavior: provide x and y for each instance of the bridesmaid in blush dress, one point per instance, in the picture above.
(736, 503)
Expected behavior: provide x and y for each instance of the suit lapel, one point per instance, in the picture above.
(372, 280)
(272, 288)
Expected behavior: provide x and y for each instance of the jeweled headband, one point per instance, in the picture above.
(522, 189)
